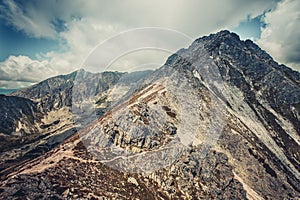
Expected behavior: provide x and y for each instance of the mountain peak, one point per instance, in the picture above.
(225, 33)
(228, 44)
(220, 36)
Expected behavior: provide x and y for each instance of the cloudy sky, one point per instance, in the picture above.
(43, 38)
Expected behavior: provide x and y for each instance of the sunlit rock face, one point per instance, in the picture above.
(220, 120)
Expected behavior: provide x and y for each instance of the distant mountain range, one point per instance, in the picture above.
(219, 120)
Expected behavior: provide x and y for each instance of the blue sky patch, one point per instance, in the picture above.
(250, 28)
(15, 42)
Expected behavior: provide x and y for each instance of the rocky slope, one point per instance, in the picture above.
(220, 120)
(22, 107)
(18, 117)
(36, 119)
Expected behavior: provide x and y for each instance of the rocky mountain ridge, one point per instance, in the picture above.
(220, 120)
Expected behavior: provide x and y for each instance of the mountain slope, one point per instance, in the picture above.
(56, 92)
(220, 120)
(20, 113)
(36, 119)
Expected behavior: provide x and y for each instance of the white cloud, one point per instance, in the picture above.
(281, 36)
(27, 20)
(14, 84)
(194, 17)
(87, 23)
(81, 38)
(24, 71)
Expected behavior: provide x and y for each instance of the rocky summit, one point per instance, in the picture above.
(219, 120)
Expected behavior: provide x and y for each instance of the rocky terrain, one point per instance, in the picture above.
(18, 117)
(36, 119)
(220, 120)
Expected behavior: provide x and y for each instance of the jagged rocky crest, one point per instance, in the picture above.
(234, 110)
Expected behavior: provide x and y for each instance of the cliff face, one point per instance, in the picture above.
(220, 120)
(16, 108)
(18, 118)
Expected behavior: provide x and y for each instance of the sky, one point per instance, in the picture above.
(44, 38)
